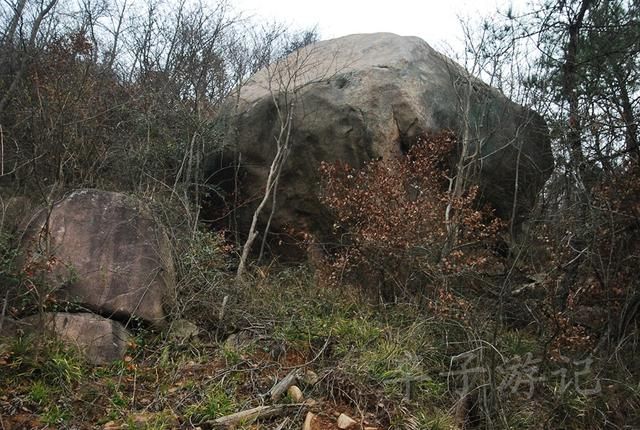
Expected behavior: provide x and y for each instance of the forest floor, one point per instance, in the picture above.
(418, 364)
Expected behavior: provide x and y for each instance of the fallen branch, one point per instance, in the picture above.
(281, 387)
(249, 415)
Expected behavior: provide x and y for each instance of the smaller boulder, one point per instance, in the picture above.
(101, 340)
(105, 252)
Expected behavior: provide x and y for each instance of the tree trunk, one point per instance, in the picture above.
(574, 143)
(570, 90)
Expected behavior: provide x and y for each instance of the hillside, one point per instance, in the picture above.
(210, 223)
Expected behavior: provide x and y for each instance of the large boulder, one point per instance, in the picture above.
(102, 251)
(367, 96)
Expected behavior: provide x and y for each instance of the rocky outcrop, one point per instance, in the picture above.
(102, 251)
(364, 97)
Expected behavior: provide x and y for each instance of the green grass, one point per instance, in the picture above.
(40, 393)
(63, 369)
(216, 402)
(55, 415)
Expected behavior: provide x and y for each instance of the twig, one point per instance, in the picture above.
(221, 314)
(1, 152)
(283, 423)
(4, 309)
(222, 308)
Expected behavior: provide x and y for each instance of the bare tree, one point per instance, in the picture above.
(284, 79)
(44, 10)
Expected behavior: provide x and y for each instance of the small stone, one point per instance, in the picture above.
(295, 394)
(239, 341)
(310, 377)
(310, 402)
(308, 421)
(183, 330)
(345, 422)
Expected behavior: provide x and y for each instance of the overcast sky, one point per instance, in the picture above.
(435, 21)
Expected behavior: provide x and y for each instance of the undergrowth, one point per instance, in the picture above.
(393, 365)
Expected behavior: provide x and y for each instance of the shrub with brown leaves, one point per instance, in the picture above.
(401, 224)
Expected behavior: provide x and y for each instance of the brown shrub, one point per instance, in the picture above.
(400, 223)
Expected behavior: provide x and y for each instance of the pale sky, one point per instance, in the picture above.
(435, 21)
